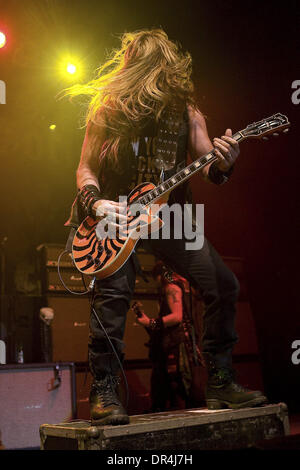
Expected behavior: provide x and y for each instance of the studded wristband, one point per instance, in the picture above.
(217, 176)
(88, 195)
(156, 324)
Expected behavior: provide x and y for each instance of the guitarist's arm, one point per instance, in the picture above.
(174, 299)
(87, 173)
(199, 144)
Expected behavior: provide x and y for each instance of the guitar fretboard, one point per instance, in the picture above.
(182, 175)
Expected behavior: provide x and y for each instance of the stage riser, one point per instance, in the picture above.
(183, 430)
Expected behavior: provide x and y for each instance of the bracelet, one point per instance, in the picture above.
(88, 195)
(217, 176)
(156, 324)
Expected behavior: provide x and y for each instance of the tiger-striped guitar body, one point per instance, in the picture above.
(103, 257)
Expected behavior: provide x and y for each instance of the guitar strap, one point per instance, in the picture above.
(167, 137)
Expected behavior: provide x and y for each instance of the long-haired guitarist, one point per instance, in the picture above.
(133, 96)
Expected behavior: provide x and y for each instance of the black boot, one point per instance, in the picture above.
(223, 392)
(105, 406)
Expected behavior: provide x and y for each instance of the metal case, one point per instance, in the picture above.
(196, 429)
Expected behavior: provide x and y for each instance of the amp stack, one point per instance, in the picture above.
(69, 322)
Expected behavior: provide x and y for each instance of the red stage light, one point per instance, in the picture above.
(2, 39)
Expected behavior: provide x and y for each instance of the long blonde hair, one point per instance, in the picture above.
(141, 79)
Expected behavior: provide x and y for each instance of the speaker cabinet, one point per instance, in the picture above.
(32, 395)
(70, 328)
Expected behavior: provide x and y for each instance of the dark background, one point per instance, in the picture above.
(245, 56)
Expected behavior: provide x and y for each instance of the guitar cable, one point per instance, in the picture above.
(91, 289)
(62, 281)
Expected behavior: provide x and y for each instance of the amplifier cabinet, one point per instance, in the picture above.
(71, 277)
(32, 395)
(70, 328)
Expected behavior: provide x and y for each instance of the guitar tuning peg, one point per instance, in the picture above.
(275, 134)
(265, 138)
(286, 130)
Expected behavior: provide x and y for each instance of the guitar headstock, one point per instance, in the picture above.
(271, 125)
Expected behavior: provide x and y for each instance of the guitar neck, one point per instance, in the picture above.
(184, 175)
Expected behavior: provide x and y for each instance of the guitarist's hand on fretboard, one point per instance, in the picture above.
(141, 317)
(227, 150)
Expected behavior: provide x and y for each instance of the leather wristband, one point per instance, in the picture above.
(217, 176)
(88, 195)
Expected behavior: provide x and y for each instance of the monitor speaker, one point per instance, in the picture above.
(32, 395)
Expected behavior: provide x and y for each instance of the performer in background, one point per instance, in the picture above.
(172, 350)
(131, 97)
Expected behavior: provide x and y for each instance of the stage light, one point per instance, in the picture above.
(71, 68)
(2, 39)
(52, 127)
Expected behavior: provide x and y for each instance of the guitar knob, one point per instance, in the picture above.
(286, 130)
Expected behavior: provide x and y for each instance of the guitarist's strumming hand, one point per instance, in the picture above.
(114, 212)
(144, 320)
(227, 150)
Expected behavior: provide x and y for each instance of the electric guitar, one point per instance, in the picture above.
(101, 256)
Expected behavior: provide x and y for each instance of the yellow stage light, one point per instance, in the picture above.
(71, 68)
(2, 39)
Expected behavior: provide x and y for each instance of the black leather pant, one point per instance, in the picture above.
(205, 270)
